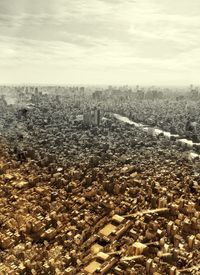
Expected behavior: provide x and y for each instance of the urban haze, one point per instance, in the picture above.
(99, 137)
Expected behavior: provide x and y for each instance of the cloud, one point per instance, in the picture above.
(98, 36)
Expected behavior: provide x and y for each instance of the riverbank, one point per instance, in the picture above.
(188, 144)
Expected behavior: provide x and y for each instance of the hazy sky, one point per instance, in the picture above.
(100, 41)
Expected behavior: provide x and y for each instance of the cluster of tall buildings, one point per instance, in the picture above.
(92, 117)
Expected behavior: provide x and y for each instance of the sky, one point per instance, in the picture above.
(121, 42)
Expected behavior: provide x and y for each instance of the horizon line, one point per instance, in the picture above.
(97, 84)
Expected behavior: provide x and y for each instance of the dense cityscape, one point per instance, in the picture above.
(99, 180)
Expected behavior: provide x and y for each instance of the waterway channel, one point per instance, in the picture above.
(156, 131)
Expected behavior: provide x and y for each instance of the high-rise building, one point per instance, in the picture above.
(92, 117)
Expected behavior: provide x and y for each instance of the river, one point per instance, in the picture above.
(156, 131)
